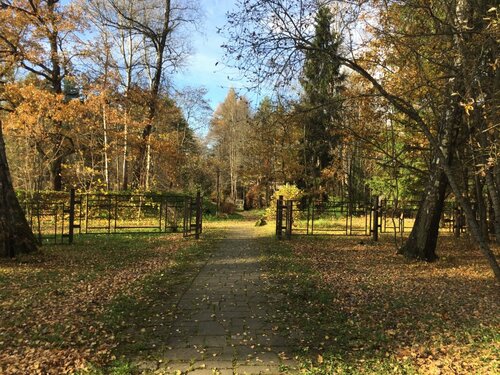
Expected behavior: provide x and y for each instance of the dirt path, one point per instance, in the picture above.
(224, 319)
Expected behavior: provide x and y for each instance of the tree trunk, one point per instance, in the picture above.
(16, 236)
(125, 155)
(480, 208)
(421, 244)
(148, 164)
(56, 172)
(493, 192)
(105, 150)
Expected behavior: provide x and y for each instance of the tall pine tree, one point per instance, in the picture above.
(321, 102)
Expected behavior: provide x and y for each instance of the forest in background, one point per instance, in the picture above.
(399, 98)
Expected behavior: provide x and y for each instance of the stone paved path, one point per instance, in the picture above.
(224, 319)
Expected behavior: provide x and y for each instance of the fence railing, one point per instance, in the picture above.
(368, 218)
(55, 217)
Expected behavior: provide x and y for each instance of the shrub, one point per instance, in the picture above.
(288, 192)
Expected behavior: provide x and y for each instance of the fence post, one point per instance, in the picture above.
(279, 217)
(198, 215)
(458, 222)
(289, 219)
(308, 214)
(71, 215)
(376, 209)
(185, 229)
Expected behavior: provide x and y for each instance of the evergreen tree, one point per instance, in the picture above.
(321, 103)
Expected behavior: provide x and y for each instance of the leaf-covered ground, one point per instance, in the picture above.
(357, 307)
(350, 305)
(74, 308)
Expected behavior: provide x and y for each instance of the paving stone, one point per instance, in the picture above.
(210, 372)
(218, 354)
(184, 354)
(256, 370)
(146, 365)
(203, 316)
(234, 314)
(173, 367)
(185, 331)
(177, 342)
(219, 341)
(211, 364)
(260, 358)
(226, 317)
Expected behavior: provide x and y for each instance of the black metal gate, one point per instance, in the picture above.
(347, 218)
(311, 217)
(193, 218)
(57, 217)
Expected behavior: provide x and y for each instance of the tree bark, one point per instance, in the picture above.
(105, 148)
(480, 207)
(56, 172)
(493, 192)
(421, 244)
(125, 155)
(16, 236)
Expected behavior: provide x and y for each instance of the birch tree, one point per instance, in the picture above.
(161, 25)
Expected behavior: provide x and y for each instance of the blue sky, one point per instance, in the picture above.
(200, 69)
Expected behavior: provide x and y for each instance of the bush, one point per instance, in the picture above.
(227, 208)
(288, 192)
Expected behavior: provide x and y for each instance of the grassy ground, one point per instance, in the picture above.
(355, 307)
(89, 306)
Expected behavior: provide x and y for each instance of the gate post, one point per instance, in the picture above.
(376, 225)
(279, 217)
(71, 215)
(198, 215)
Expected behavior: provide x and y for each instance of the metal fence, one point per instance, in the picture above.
(55, 217)
(367, 218)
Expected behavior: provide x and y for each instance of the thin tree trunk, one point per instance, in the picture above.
(493, 192)
(105, 151)
(125, 154)
(481, 206)
(148, 163)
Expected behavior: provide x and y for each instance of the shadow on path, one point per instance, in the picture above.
(223, 320)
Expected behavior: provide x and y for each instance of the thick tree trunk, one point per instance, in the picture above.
(16, 236)
(421, 244)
